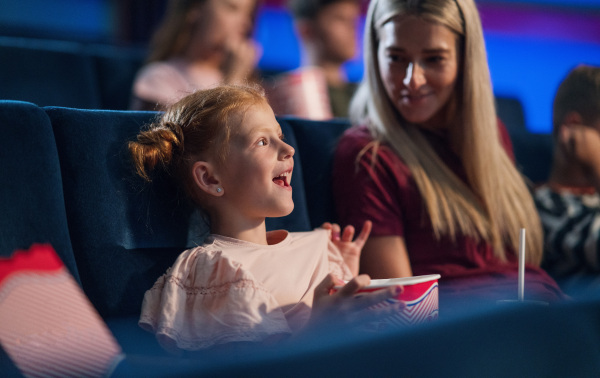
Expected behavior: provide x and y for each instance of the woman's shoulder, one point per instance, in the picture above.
(352, 141)
(356, 135)
(358, 144)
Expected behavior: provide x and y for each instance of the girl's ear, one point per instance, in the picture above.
(206, 179)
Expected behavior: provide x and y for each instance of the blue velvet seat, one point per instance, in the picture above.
(316, 143)
(47, 73)
(117, 220)
(32, 209)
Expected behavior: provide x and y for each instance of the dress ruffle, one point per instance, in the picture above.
(206, 299)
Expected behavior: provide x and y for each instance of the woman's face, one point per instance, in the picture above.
(418, 64)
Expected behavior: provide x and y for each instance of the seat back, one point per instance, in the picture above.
(32, 209)
(316, 143)
(126, 232)
(47, 73)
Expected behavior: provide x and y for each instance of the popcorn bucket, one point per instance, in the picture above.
(420, 296)
(48, 327)
(302, 93)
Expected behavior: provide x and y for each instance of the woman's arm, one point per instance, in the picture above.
(385, 257)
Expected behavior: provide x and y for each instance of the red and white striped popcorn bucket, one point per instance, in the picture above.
(48, 327)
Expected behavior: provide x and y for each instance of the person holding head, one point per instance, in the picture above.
(569, 203)
(244, 284)
(199, 44)
(429, 163)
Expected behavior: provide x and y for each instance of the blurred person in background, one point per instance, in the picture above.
(327, 32)
(199, 44)
(569, 203)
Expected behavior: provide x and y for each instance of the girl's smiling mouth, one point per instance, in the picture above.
(284, 179)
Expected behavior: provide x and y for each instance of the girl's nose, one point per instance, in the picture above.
(287, 151)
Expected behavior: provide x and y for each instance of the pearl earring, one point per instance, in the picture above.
(219, 190)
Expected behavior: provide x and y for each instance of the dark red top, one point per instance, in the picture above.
(387, 194)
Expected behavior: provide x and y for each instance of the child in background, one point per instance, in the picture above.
(569, 204)
(244, 284)
(199, 44)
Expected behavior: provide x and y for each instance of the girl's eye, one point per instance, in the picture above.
(282, 137)
(262, 142)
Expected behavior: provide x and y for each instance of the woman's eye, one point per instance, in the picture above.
(394, 58)
(435, 59)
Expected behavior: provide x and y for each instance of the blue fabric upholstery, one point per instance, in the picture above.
(510, 111)
(118, 221)
(115, 70)
(124, 232)
(32, 209)
(533, 154)
(316, 142)
(47, 73)
(298, 220)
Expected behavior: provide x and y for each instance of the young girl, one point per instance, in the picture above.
(226, 149)
(199, 44)
(429, 163)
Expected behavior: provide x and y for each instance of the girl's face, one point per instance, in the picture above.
(258, 170)
(418, 64)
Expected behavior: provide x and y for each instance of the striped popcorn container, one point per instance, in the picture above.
(48, 327)
(420, 295)
(302, 93)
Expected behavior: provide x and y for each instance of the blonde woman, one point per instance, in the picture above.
(199, 44)
(428, 161)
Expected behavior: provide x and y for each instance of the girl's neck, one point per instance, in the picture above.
(241, 229)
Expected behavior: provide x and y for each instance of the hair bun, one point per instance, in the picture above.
(156, 146)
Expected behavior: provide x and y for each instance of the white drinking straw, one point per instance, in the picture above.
(522, 265)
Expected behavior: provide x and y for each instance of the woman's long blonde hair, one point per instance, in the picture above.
(496, 203)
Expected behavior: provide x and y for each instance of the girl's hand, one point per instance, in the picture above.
(348, 307)
(349, 249)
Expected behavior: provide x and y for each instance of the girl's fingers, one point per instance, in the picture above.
(326, 285)
(335, 231)
(348, 234)
(364, 233)
(354, 285)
